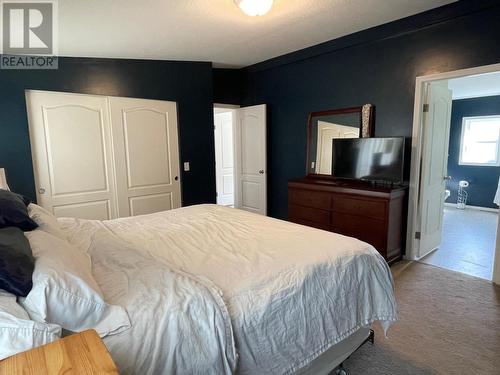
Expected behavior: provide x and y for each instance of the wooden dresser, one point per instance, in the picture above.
(371, 213)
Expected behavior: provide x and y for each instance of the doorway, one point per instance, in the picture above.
(468, 242)
(240, 136)
(454, 185)
(224, 155)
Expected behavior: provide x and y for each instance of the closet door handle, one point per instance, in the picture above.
(41, 190)
(176, 178)
(261, 171)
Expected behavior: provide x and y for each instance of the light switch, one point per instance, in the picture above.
(186, 166)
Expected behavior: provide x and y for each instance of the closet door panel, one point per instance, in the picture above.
(150, 203)
(147, 155)
(72, 154)
(147, 148)
(90, 210)
(75, 166)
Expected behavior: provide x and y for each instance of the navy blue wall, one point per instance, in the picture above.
(483, 180)
(377, 66)
(228, 87)
(189, 84)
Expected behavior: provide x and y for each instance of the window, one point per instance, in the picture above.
(480, 142)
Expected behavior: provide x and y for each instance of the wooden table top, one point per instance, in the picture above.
(81, 353)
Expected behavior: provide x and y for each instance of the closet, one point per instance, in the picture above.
(99, 157)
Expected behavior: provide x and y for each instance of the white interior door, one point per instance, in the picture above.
(496, 260)
(434, 165)
(71, 149)
(146, 149)
(224, 158)
(251, 159)
(326, 133)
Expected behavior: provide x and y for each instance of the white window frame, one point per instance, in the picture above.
(465, 120)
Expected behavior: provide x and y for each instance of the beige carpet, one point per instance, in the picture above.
(449, 324)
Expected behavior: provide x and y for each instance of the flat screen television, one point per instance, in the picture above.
(371, 159)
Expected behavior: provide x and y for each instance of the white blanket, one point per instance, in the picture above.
(179, 322)
(291, 291)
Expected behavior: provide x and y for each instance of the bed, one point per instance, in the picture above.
(211, 290)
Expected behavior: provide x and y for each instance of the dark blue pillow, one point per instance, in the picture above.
(16, 262)
(13, 211)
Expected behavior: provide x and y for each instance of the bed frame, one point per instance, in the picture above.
(341, 370)
(331, 362)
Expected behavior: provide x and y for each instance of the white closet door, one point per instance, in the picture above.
(72, 159)
(146, 155)
(251, 159)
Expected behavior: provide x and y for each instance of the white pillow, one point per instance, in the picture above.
(17, 332)
(65, 292)
(46, 221)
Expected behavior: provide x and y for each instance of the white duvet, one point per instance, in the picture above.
(193, 279)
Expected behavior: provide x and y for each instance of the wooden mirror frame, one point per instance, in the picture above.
(366, 127)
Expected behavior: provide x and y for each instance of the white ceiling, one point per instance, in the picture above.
(216, 30)
(475, 86)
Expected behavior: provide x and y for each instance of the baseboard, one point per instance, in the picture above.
(488, 209)
(427, 253)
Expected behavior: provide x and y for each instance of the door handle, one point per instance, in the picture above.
(447, 178)
(261, 171)
(41, 190)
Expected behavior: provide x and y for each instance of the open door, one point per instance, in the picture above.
(251, 159)
(496, 260)
(434, 165)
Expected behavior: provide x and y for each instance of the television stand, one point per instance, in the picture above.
(369, 211)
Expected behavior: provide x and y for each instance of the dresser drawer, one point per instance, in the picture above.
(308, 198)
(363, 207)
(373, 214)
(309, 214)
(311, 224)
(363, 228)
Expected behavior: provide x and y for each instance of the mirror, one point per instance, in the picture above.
(324, 126)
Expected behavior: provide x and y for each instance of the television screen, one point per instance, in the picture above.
(372, 159)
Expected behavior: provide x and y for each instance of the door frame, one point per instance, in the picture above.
(421, 82)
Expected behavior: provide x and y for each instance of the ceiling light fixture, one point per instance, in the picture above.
(255, 7)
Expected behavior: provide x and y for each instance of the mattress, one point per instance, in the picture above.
(290, 292)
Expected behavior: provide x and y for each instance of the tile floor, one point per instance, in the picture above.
(468, 244)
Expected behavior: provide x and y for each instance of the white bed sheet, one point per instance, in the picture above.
(291, 291)
(179, 322)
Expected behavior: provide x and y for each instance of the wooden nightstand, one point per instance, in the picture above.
(81, 353)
